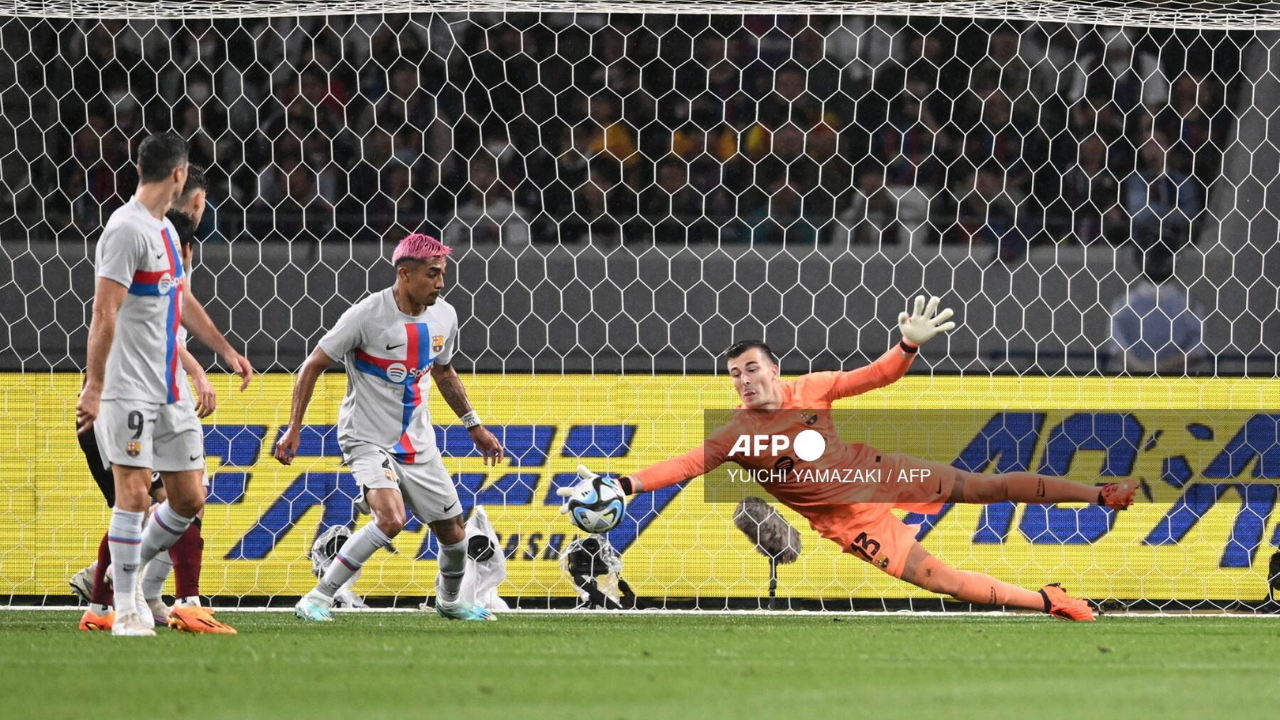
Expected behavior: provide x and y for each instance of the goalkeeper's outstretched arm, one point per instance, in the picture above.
(699, 461)
(918, 328)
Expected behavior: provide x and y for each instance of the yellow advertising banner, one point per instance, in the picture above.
(1205, 448)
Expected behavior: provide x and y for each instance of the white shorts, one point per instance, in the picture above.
(161, 437)
(427, 488)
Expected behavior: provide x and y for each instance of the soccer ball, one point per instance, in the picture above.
(601, 510)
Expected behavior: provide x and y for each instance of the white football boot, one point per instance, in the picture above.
(131, 625)
(144, 608)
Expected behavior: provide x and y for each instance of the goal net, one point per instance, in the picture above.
(630, 187)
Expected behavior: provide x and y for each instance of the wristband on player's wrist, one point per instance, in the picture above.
(908, 348)
(471, 420)
(627, 486)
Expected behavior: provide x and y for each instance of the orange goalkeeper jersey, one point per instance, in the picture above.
(803, 401)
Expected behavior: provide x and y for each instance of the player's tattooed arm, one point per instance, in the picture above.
(451, 389)
(198, 322)
(108, 296)
(287, 446)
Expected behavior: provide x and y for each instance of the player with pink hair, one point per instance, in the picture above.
(394, 343)
(419, 247)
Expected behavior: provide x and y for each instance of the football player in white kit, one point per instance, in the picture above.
(184, 559)
(394, 343)
(132, 398)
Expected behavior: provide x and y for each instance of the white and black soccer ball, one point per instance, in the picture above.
(601, 509)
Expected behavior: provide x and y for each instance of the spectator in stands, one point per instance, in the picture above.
(408, 205)
(608, 134)
(912, 147)
(672, 205)
(787, 109)
(405, 103)
(1111, 68)
(273, 180)
(1016, 64)
(486, 213)
(302, 214)
(1186, 122)
(990, 213)
(1091, 193)
(862, 44)
(869, 218)
(1005, 139)
(1161, 200)
(780, 219)
(1154, 326)
(754, 100)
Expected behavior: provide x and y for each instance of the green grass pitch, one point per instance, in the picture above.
(646, 667)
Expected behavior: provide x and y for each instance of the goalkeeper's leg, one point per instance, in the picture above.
(1025, 487)
(928, 572)
(924, 486)
(873, 534)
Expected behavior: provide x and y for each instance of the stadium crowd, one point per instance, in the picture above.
(557, 129)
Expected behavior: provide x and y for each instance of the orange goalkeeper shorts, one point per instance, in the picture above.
(869, 531)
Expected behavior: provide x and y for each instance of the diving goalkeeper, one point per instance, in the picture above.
(857, 517)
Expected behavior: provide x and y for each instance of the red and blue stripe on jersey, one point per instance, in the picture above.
(417, 361)
(150, 283)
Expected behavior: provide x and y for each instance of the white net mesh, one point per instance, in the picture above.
(1187, 14)
(628, 193)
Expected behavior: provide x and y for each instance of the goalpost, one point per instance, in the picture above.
(631, 186)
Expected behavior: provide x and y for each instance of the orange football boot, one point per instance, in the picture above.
(1118, 496)
(196, 619)
(1061, 605)
(90, 622)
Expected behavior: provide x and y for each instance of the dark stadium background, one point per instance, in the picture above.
(663, 185)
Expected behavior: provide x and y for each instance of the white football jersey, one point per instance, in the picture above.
(141, 253)
(389, 356)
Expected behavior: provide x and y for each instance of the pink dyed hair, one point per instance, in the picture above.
(419, 247)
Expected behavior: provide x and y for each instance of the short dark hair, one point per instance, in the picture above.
(196, 179)
(185, 226)
(738, 348)
(159, 154)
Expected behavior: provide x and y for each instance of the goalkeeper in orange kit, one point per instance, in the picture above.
(857, 516)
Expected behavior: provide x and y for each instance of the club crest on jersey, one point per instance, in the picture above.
(809, 417)
(437, 343)
(133, 448)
